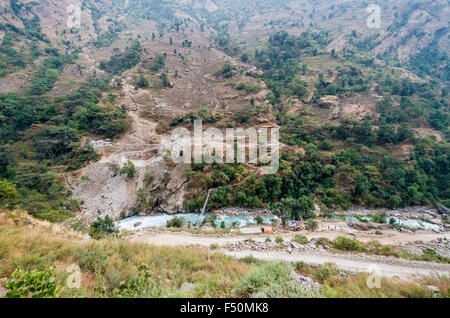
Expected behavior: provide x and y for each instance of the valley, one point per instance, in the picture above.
(88, 111)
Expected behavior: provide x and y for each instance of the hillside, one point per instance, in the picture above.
(122, 269)
(363, 112)
(92, 91)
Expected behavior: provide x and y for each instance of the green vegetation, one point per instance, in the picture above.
(301, 239)
(35, 284)
(271, 281)
(37, 247)
(158, 63)
(7, 191)
(103, 228)
(346, 244)
(112, 267)
(279, 240)
(176, 222)
(311, 225)
(40, 140)
(129, 169)
(121, 62)
(48, 72)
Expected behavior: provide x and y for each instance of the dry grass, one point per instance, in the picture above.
(106, 264)
(33, 244)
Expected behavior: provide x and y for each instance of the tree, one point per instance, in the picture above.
(290, 208)
(164, 80)
(7, 190)
(129, 169)
(142, 82)
(103, 228)
(176, 222)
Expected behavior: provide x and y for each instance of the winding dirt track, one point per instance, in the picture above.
(385, 266)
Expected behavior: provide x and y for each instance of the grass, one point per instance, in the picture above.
(115, 267)
(106, 264)
(339, 284)
(376, 248)
(301, 239)
(271, 280)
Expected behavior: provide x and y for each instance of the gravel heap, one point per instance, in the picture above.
(267, 246)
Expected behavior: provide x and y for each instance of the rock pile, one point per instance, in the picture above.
(441, 245)
(101, 143)
(235, 211)
(306, 283)
(267, 246)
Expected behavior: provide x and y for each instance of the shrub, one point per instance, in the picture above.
(279, 240)
(301, 239)
(272, 280)
(23, 284)
(323, 272)
(311, 225)
(114, 167)
(140, 285)
(176, 222)
(268, 239)
(214, 246)
(142, 82)
(7, 190)
(129, 169)
(259, 220)
(149, 176)
(326, 145)
(346, 244)
(103, 228)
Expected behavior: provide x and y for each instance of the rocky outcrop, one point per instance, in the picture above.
(360, 226)
(442, 209)
(329, 101)
(306, 283)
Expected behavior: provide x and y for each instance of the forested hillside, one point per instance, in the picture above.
(363, 113)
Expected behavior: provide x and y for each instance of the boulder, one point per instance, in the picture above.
(369, 226)
(442, 209)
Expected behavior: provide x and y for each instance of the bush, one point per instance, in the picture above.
(176, 222)
(149, 176)
(346, 244)
(7, 190)
(129, 169)
(311, 225)
(259, 220)
(142, 82)
(114, 167)
(23, 284)
(279, 240)
(326, 145)
(273, 280)
(103, 228)
(214, 246)
(301, 239)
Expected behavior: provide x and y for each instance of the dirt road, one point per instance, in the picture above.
(385, 266)
(381, 265)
